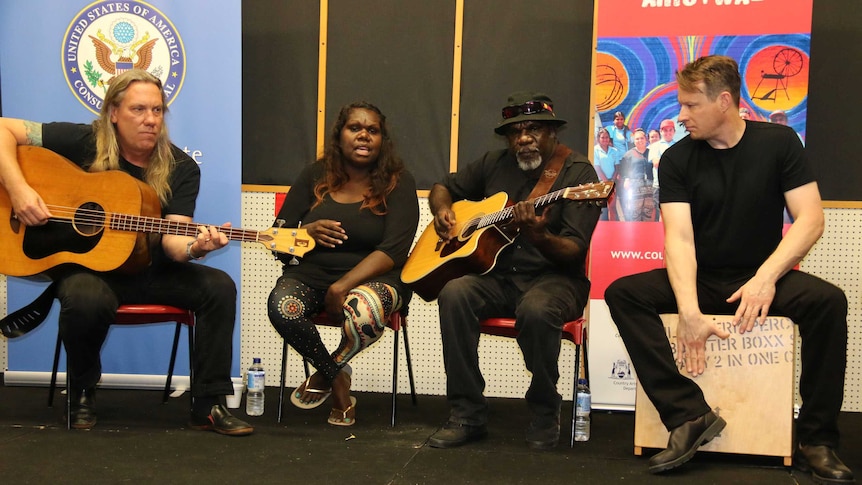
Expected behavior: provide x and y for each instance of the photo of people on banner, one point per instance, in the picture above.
(636, 104)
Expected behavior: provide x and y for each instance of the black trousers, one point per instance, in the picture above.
(816, 306)
(89, 302)
(539, 310)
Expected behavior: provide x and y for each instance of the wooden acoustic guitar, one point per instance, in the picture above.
(481, 234)
(101, 221)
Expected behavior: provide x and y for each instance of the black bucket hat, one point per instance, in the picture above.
(527, 106)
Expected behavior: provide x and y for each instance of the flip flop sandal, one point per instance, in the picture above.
(297, 394)
(343, 420)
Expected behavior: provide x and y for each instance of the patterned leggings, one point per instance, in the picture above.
(292, 304)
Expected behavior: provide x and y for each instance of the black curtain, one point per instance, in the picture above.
(397, 55)
(834, 102)
(510, 45)
(279, 89)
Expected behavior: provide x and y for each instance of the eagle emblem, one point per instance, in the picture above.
(138, 55)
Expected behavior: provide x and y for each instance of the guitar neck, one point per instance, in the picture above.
(132, 223)
(507, 214)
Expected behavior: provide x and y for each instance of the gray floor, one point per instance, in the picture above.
(138, 439)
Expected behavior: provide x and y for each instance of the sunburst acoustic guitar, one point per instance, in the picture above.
(481, 234)
(101, 221)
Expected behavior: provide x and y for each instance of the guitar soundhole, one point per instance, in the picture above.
(89, 219)
(468, 230)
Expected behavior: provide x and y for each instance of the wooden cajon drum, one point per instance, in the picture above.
(749, 381)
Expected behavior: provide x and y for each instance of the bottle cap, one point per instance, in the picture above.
(255, 360)
(582, 382)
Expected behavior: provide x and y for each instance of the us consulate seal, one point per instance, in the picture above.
(107, 38)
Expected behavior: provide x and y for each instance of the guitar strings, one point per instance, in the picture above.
(583, 191)
(134, 223)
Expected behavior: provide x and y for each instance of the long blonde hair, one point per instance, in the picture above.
(161, 163)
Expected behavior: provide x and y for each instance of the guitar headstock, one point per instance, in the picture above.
(287, 240)
(595, 191)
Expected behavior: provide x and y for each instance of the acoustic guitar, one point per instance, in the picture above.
(481, 234)
(101, 221)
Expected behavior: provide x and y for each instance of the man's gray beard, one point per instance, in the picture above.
(527, 166)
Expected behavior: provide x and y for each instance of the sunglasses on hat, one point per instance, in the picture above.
(528, 108)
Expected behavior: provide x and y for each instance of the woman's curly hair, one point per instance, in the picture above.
(384, 174)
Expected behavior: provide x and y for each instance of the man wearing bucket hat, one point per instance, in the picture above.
(540, 278)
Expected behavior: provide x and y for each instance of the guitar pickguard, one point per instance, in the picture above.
(54, 237)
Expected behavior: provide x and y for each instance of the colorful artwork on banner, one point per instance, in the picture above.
(636, 62)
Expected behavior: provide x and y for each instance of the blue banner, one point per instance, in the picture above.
(56, 58)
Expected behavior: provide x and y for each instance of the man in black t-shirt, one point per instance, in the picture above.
(723, 192)
(130, 135)
(540, 278)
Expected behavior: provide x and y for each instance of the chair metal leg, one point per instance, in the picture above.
(283, 377)
(394, 377)
(586, 360)
(173, 361)
(575, 393)
(409, 365)
(68, 395)
(54, 371)
(191, 367)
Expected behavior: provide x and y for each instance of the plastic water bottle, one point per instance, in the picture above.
(256, 383)
(582, 419)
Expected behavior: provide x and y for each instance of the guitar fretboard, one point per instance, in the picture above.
(132, 223)
(582, 192)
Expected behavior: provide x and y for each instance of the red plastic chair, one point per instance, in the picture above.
(574, 331)
(137, 315)
(397, 322)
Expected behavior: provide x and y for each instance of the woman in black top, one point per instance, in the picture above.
(359, 204)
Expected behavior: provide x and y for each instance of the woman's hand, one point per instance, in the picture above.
(326, 232)
(333, 303)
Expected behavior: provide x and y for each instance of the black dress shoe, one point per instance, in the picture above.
(221, 421)
(684, 441)
(82, 414)
(543, 433)
(456, 434)
(823, 463)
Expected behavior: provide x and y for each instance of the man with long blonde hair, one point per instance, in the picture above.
(130, 135)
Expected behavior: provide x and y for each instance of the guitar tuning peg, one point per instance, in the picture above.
(293, 262)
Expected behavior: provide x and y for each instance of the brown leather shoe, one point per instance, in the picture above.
(684, 441)
(221, 421)
(456, 434)
(823, 463)
(82, 413)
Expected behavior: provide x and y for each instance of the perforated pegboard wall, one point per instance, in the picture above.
(837, 258)
(500, 357)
